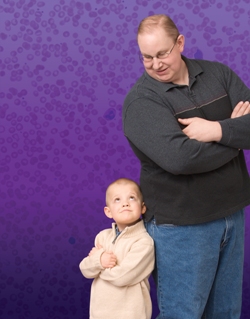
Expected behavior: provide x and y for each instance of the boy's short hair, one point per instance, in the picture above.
(124, 181)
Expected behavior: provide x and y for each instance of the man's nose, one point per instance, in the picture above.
(156, 63)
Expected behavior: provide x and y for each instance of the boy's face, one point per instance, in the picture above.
(124, 204)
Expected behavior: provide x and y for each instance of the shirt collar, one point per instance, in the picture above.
(194, 69)
(117, 233)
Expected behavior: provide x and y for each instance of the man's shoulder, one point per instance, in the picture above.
(207, 64)
(140, 82)
(144, 87)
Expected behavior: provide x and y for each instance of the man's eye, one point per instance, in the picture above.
(147, 57)
(162, 54)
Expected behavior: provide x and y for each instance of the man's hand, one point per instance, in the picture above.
(108, 259)
(202, 130)
(210, 131)
(242, 108)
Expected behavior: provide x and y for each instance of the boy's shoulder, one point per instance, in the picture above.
(141, 235)
(105, 232)
(146, 238)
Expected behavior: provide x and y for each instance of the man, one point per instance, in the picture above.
(188, 121)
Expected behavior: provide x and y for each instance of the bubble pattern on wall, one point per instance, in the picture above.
(65, 68)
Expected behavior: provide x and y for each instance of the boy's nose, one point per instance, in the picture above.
(125, 204)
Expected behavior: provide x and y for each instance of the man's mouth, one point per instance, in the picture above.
(161, 71)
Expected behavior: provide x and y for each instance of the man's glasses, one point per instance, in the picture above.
(161, 55)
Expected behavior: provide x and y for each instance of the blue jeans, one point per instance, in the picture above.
(199, 268)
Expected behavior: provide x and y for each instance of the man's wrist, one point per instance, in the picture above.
(217, 132)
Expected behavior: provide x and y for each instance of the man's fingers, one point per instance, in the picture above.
(242, 108)
(237, 107)
(246, 108)
(184, 121)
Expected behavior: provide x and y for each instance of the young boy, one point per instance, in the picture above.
(122, 259)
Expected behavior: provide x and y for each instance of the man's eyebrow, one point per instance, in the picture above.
(161, 51)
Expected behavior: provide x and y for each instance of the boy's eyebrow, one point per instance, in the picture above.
(130, 193)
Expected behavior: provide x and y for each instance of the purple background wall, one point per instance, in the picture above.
(65, 68)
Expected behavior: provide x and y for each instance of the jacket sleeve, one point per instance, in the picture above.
(91, 266)
(159, 137)
(135, 267)
(235, 132)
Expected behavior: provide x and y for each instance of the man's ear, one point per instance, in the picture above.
(181, 42)
(107, 212)
(143, 209)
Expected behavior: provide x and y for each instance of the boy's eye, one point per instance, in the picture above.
(132, 197)
(117, 199)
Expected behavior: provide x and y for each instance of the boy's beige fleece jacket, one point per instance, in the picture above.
(122, 291)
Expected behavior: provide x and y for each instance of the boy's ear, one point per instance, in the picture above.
(107, 212)
(143, 209)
